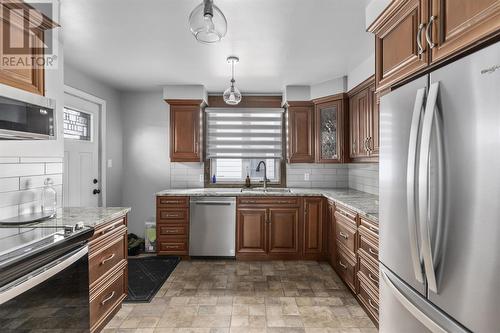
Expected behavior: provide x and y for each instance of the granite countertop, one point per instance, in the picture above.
(363, 203)
(90, 216)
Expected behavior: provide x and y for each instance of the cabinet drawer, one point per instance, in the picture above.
(369, 225)
(369, 246)
(106, 299)
(172, 245)
(345, 217)
(101, 261)
(346, 236)
(277, 200)
(107, 228)
(177, 214)
(346, 268)
(172, 230)
(368, 272)
(369, 299)
(172, 202)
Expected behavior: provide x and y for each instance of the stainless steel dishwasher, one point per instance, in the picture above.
(212, 226)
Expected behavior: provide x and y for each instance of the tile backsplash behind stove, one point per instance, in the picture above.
(22, 180)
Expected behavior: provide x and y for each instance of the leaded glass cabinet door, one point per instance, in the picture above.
(329, 129)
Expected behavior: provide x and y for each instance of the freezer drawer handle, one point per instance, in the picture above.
(343, 235)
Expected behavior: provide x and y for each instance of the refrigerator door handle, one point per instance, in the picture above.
(410, 184)
(431, 119)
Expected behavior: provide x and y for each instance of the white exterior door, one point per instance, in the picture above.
(81, 153)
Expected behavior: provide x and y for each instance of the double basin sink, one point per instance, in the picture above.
(266, 190)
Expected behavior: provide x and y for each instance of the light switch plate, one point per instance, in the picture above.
(306, 176)
(201, 179)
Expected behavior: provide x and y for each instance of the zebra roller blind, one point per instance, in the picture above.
(244, 133)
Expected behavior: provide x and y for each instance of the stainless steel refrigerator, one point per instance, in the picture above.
(440, 200)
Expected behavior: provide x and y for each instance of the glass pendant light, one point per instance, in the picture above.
(232, 95)
(207, 23)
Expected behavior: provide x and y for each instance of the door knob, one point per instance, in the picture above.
(96, 191)
(95, 181)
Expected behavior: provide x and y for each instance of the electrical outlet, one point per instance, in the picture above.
(110, 163)
(306, 176)
(201, 179)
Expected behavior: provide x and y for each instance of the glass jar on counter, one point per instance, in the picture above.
(49, 198)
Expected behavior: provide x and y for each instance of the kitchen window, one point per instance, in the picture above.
(238, 139)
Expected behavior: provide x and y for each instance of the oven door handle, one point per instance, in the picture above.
(41, 274)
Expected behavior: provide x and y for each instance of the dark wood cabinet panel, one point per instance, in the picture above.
(185, 130)
(172, 225)
(364, 133)
(313, 226)
(457, 24)
(398, 33)
(300, 132)
(332, 244)
(284, 231)
(251, 231)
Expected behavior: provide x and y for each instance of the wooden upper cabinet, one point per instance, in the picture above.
(375, 103)
(330, 129)
(300, 132)
(313, 225)
(251, 231)
(185, 130)
(284, 231)
(22, 48)
(400, 41)
(363, 122)
(456, 24)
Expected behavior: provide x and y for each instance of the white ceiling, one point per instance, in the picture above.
(140, 44)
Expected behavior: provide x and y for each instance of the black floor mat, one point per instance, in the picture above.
(146, 276)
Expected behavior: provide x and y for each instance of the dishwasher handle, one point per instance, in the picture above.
(214, 203)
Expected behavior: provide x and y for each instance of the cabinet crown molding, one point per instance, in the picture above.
(188, 102)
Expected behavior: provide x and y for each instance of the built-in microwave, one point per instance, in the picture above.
(25, 116)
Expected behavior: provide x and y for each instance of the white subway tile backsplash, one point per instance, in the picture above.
(18, 170)
(9, 159)
(364, 177)
(186, 175)
(53, 168)
(22, 180)
(41, 159)
(9, 184)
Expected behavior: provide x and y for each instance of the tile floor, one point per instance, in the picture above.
(253, 297)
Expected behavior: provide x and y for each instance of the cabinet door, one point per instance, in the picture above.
(13, 70)
(374, 142)
(364, 131)
(457, 24)
(397, 53)
(251, 231)
(329, 131)
(300, 133)
(354, 145)
(185, 133)
(283, 231)
(313, 225)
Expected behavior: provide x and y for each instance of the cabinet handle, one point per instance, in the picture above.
(343, 235)
(375, 253)
(372, 305)
(370, 276)
(104, 301)
(108, 229)
(172, 246)
(428, 36)
(107, 259)
(172, 215)
(172, 231)
(171, 202)
(342, 265)
(419, 38)
(373, 228)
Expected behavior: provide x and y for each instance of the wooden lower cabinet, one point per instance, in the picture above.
(108, 278)
(172, 225)
(313, 227)
(284, 231)
(251, 231)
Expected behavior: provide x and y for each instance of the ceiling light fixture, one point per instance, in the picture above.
(232, 95)
(207, 23)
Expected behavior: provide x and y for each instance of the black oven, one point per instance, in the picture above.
(25, 116)
(47, 290)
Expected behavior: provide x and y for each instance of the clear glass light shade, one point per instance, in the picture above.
(232, 95)
(207, 27)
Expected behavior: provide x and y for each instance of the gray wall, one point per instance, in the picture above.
(114, 133)
(145, 154)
